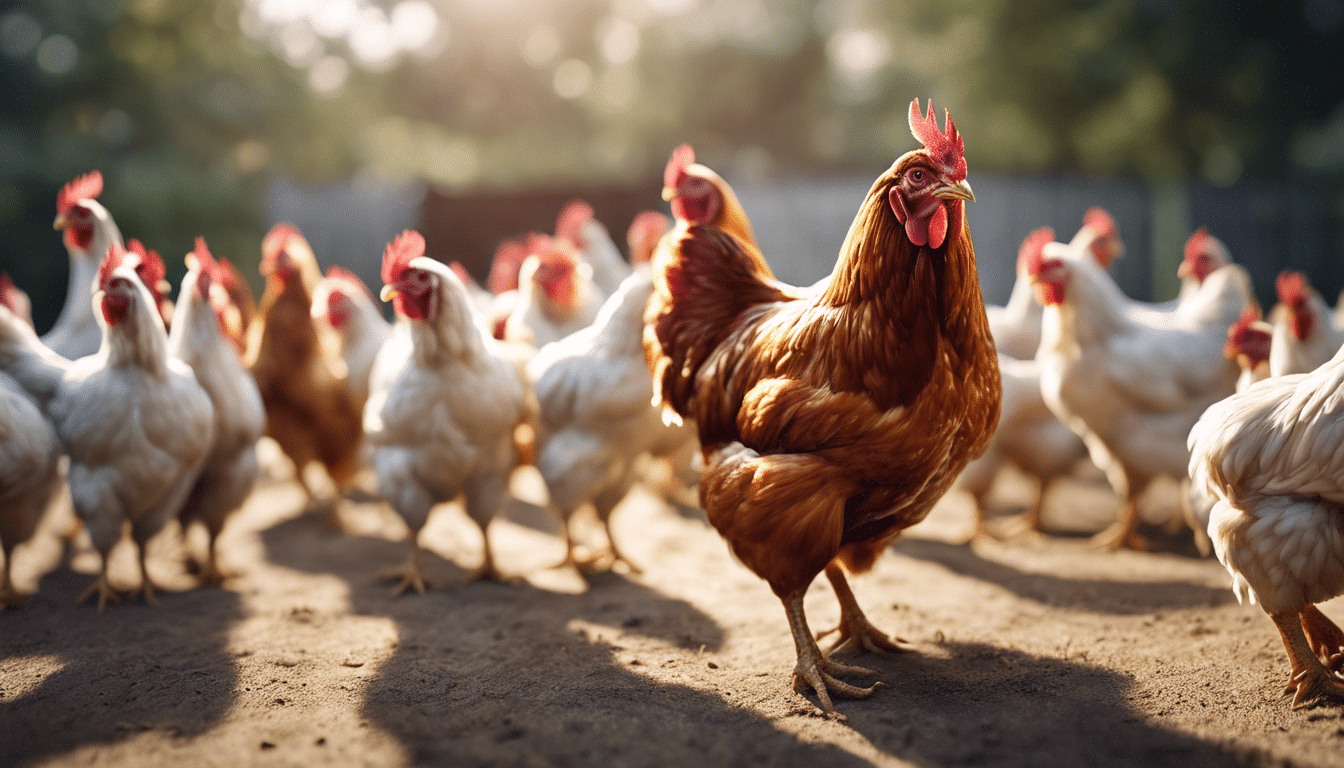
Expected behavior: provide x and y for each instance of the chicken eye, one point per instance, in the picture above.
(917, 175)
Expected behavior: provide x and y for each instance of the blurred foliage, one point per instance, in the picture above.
(189, 107)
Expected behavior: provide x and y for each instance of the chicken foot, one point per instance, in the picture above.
(1308, 678)
(147, 586)
(854, 628)
(487, 569)
(1325, 637)
(408, 576)
(9, 596)
(1124, 532)
(101, 587)
(814, 669)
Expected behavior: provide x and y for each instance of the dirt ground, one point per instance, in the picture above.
(1033, 651)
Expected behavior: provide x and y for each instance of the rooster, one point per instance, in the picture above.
(1304, 334)
(29, 456)
(1270, 457)
(133, 419)
(1130, 388)
(830, 423)
(344, 303)
(444, 404)
(593, 388)
(88, 232)
(198, 339)
(309, 410)
(556, 294)
(576, 223)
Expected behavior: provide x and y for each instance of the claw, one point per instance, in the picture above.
(103, 589)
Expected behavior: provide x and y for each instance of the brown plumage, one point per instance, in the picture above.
(830, 423)
(309, 411)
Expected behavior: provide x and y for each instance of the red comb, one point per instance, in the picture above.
(1031, 254)
(681, 157)
(1291, 287)
(90, 185)
(945, 147)
(509, 256)
(644, 233)
(337, 272)
(150, 266)
(1099, 221)
(1197, 244)
(230, 275)
(204, 258)
(276, 240)
(462, 273)
(408, 246)
(111, 261)
(572, 217)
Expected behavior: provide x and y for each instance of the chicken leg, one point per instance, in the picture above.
(8, 594)
(1308, 679)
(147, 587)
(854, 628)
(814, 669)
(408, 576)
(101, 587)
(1325, 637)
(1124, 532)
(487, 570)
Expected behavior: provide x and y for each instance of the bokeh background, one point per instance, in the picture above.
(477, 119)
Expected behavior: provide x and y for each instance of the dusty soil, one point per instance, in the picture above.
(1033, 651)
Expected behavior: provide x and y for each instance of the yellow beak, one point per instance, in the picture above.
(388, 293)
(959, 191)
(61, 222)
(669, 193)
(1185, 270)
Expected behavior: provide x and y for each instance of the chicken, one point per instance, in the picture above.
(1305, 336)
(577, 224)
(503, 283)
(646, 229)
(1204, 254)
(1270, 456)
(1017, 325)
(594, 388)
(310, 412)
(88, 232)
(701, 196)
(154, 274)
(29, 456)
(1130, 390)
(133, 419)
(830, 423)
(242, 305)
(198, 339)
(344, 303)
(444, 404)
(556, 294)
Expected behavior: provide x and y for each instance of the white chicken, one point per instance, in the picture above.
(133, 419)
(595, 393)
(577, 223)
(444, 404)
(1130, 390)
(343, 301)
(88, 232)
(1270, 456)
(646, 229)
(230, 469)
(1305, 333)
(556, 294)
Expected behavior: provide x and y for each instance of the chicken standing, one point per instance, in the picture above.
(1306, 333)
(577, 223)
(444, 404)
(344, 303)
(310, 412)
(198, 339)
(556, 294)
(88, 232)
(1270, 456)
(830, 423)
(596, 417)
(132, 418)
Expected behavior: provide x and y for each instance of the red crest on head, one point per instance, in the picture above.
(276, 240)
(85, 187)
(408, 246)
(204, 258)
(1031, 254)
(509, 257)
(681, 157)
(1100, 221)
(150, 266)
(1292, 288)
(644, 233)
(114, 258)
(1198, 244)
(9, 293)
(339, 273)
(945, 148)
(572, 217)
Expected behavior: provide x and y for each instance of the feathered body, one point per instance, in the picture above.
(88, 231)
(343, 301)
(1270, 456)
(199, 339)
(577, 223)
(309, 410)
(444, 401)
(829, 424)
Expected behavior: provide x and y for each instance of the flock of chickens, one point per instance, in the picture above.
(819, 422)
